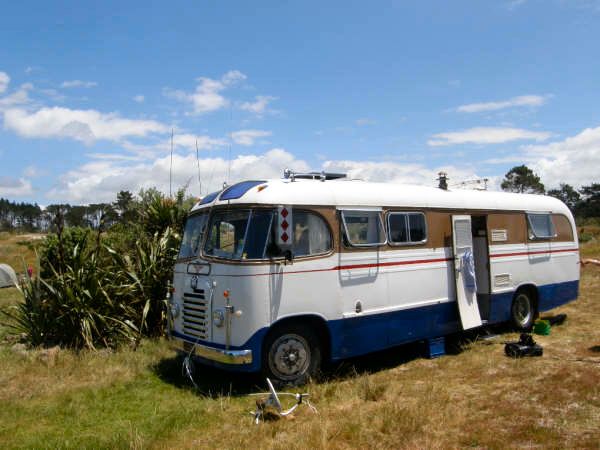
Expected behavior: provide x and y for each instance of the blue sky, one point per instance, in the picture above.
(386, 90)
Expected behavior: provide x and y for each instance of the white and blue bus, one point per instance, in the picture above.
(281, 275)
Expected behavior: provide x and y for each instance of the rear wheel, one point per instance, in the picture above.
(291, 355)
(522, 311)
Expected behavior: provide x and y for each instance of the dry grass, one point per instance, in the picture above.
(18, 250)
(478, 398)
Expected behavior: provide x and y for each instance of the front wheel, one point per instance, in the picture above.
(522, 311)
(291, 355)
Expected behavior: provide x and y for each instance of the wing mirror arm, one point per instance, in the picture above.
(288, 257)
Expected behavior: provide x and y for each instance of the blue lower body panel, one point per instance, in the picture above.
(554, 295)
(549, 296)
(361, 335)
(365, 334)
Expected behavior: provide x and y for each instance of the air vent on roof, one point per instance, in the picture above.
(290, 174)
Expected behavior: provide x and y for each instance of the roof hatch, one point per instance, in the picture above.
(239, 189)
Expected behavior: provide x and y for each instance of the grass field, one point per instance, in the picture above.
(18, 250)
(476, 398)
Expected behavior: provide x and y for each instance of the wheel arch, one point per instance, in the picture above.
(315, 322)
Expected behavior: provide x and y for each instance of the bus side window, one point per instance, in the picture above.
(540, 226)
(407, 228)
(363, 228)
(311, 234)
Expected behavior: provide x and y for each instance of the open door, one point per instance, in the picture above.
(466, 291)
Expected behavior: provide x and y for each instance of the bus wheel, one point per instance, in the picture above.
(292, 355)
(522, 311)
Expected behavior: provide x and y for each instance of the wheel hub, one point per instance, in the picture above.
(291, 356)
(522, 309)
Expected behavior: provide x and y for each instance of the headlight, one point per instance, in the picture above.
(218, 317)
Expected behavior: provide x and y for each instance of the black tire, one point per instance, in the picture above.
(522, 311)
(291, 355)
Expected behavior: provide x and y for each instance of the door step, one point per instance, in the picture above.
(434, 348)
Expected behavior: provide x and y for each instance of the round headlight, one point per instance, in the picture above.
(218, 317)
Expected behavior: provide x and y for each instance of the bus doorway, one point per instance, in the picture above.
(482, 264)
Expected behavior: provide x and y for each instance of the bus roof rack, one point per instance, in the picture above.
(291, 175)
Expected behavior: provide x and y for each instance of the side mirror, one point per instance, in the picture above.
(288, 256)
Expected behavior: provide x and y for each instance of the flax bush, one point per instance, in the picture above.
(103, 288)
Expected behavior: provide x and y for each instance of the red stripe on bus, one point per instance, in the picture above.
(347, 267)
(394, 263)
(538, 252)
(391, 264)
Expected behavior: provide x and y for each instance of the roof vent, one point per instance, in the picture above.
(291, 175)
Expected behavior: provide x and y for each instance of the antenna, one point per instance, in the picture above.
(230, 141)
(198, 163)
(478, 184)
(171, 168)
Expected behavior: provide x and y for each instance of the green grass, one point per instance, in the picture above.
(477, 398)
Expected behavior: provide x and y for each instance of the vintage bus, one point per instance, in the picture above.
(280, 276)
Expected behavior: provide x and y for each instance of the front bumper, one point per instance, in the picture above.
(220, 355)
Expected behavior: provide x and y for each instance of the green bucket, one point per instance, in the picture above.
(542, 327)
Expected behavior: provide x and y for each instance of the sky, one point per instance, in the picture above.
(91, 93)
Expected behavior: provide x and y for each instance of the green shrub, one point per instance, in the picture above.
(83, 305)
(101, 289)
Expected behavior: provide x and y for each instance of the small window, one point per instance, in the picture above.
(363, 228)
(407, 228)
(540, 226)
(311, 234)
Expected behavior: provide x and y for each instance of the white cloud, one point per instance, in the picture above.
(188, 142)
(574, 160)
(82, 125)
(259, 106)
(13, 187)
(4, 80)
(248, 137)
(207, 96)
(78, 84)
(523, 100)
(365, 121)
(53, 94)
(510, 159)
(98, 181)
(17, 98)
(486, 135)
(139, 98)
(386, 171)
(113, 157)
(514, 4)
(31, 171)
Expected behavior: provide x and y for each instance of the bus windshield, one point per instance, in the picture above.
(192, 236)
(239, 234)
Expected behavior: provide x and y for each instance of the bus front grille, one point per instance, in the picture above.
(196, 314)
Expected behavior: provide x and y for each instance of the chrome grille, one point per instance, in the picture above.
(196, 314)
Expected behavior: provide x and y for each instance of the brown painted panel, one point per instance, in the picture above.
(439, 229)
(515, 225)
(564, 232)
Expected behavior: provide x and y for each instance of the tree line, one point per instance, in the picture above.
(30, 217)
